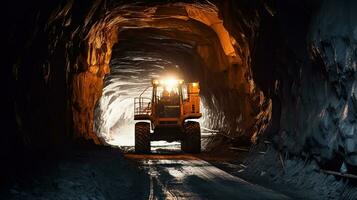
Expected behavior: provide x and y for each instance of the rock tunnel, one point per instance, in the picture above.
(169, 38)
(277, 71)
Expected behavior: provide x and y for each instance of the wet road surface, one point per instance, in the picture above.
(182, 176)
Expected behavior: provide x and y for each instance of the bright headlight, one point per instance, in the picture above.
(170, 82)
(155, 82)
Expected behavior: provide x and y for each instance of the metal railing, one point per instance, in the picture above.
(142, 106)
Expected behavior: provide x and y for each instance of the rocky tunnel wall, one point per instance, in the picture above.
(301, 63)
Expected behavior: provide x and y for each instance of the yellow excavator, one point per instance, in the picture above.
(168, 115)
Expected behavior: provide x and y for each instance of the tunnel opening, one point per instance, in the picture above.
(135, 62)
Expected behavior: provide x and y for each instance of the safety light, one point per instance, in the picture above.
(170, 82)
(155, 82)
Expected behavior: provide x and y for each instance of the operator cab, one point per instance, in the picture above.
(168, 101)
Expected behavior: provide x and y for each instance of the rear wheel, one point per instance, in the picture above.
(142, 137)
(191, 142)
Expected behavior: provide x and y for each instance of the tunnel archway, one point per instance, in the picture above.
(198, 27)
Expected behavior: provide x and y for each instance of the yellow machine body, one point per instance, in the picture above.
(172, 104)
(188, 104)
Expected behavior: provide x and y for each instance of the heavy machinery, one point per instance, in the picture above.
(168, 115)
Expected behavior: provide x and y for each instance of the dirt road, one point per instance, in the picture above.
(181, 176)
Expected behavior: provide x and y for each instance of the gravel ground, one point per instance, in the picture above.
(298, 179)
(92, 174)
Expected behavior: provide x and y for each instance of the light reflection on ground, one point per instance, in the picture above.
(125, 137)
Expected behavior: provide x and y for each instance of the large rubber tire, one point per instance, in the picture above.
(191, 142)
(142, 137)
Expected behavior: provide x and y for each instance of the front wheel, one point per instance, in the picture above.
(191, 142)
(142, 137)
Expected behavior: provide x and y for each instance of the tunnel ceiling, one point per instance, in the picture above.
(283, 68)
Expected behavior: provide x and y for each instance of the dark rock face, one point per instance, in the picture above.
(333, 37)
(279, 70)
(304, 60)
